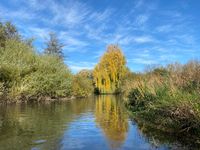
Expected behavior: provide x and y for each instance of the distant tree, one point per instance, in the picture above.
(82, 83)
(8, 31)
(11, 31)
(85, 73)
(110, 71)
(29, 42)
(54, 47)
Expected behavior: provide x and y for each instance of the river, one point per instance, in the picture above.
(95, 123)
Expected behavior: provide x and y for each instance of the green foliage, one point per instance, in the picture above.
(51, 78)
(25, 73)
(83, 84)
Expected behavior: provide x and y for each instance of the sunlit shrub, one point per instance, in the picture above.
(83, 84)
(24, 72)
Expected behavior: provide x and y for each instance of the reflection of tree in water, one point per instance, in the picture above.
(29, 123)
(111, 118)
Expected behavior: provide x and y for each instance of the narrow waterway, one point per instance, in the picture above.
(96, 123)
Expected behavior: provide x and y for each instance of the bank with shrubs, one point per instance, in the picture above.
(167, 99)
(26, 75)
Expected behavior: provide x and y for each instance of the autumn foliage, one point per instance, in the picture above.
(109, 72)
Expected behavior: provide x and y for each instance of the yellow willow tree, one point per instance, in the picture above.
(109, 72)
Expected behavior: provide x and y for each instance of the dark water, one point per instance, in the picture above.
(97, 123)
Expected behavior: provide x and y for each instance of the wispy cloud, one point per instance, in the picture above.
(101, 16)
(130, 39)
(143, 61)
(164, 28)
(70, 14)
(143, 39)
(141, 19)
(80, 65)
(7, 14)
(138, 3)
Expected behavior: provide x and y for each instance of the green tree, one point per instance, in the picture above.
(111, 69)
(7, 31)
(54, 47)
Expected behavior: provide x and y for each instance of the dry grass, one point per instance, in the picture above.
(168, 97)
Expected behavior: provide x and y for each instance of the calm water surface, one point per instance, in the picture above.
(96, 123)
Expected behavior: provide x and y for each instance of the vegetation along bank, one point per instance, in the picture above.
(26, 74)
(165, 98)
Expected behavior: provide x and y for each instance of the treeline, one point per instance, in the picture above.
(26, 74)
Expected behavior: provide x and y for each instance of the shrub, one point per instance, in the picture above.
(83, 84)
(24, 72)
(137, 100)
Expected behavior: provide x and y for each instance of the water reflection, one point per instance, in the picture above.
(112, 119)
(25, 126)
(99, 123)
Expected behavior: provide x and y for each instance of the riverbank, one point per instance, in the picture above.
(41, 99)
(26, 74)
(160, 136)
(167, 99)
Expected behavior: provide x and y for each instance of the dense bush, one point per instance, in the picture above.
(24, 72)
(168, 98)
(83, 84)
(139, 100)
(51, 78)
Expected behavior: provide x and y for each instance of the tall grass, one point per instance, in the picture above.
(168, 98)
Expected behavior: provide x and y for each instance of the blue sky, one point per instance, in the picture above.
(150, 32)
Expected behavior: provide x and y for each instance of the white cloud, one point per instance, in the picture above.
(36, 4)
(40, 33)
(143, 39)
(78, 66)
(101, 16)
(70, 38)
(164, 28)
(126, 40)
(143, 61)
(70, 14)
(138, 3)
(141, 19)
(20, 14)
